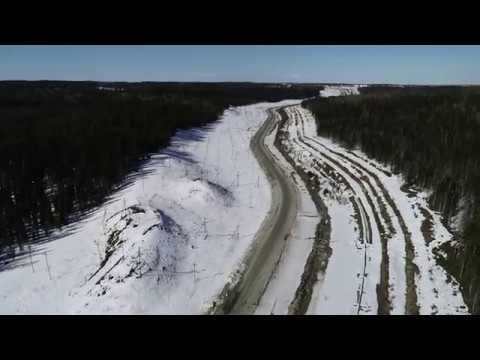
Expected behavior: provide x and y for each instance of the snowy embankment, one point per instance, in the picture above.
(383, 239)
(340, 90)
(168, 243)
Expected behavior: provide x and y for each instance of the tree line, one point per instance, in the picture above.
(65, 146)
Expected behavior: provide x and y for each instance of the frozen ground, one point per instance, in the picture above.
(166, 244)
(286, 277)
(374, 224)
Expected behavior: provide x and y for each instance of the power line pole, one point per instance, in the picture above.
(48, 266)
(194, 273)
(31, 259)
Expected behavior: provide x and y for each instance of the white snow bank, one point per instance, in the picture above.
(340, 90)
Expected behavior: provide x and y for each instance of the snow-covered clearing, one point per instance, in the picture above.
(351, 255)
(373, 222)
(168, 243)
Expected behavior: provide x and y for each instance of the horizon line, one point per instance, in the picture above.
(243, 81)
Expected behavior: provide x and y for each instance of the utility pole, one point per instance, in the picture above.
(237, 233)
(194, 274)
(48, 266)
(31, 260)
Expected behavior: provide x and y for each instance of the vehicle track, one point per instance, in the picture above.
(363, 220)
(318, 257)
(377, 198)
(411, 306)
(331, 168)
(379, 221)
(243, 294)
(403, 269)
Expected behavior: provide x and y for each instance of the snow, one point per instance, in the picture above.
(340, 90)
(355, 266)
(170, 241)
(283, 284)
(195, 212)
(437, 292)
(342, 281)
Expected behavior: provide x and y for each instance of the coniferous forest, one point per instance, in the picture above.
(431, 135)
(65, 146)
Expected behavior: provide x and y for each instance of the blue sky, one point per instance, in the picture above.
(261, 63)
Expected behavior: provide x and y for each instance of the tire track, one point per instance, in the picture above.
(362, 219)
(242, 294)
(317, 260)
(368, 240)
(382, 289)
(384, 306)
(411, 306)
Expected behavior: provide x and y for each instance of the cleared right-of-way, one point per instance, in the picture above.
(344, 235)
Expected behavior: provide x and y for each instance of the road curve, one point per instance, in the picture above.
(393, 271)
(244, 296)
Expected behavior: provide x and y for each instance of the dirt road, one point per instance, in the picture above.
(244, 296)
(372, 258)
